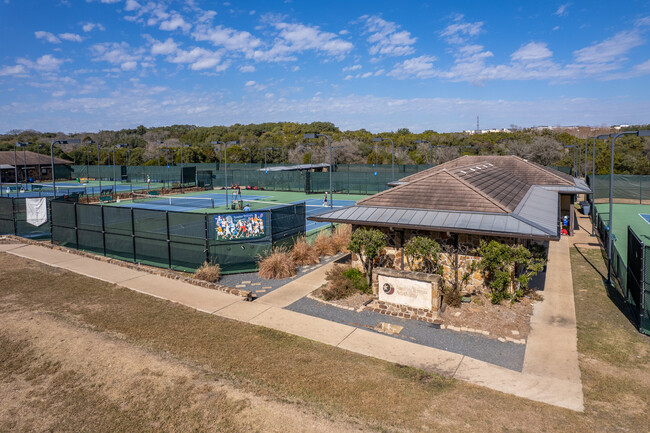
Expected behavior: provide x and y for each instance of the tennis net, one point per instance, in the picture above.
(157, 200)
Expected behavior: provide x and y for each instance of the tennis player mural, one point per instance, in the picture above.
(239, 226)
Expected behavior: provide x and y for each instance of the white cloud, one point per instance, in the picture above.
(297, 38)
(175, 22)
(611, 49)
(200, 59)
(12, 70)
(532, 51)
(72, 37)
(117, 54)
(562, 10)
(132, 5)
(460, 32)
(230, 39)
(49, 37)
(419, 67)
(44, 63)
(385, 38)
(164, 48)
(88, 27)
(247, 68)
(352, 68)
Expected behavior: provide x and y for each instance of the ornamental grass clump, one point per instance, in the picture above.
(208, 272)
(344, 281)
(323, 245)
(277, 265)
(341, 237)
(303, 254)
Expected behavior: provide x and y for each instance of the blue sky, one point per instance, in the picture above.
(86, 65)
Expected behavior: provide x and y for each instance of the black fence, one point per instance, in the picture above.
(175, 240)
(633, 275)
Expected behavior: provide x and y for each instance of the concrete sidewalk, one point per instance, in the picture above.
(555, 384)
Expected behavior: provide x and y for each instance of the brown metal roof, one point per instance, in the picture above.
(32, 158)
(529, 172)
(472, 188)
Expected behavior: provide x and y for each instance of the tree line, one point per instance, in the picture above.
(283, 142)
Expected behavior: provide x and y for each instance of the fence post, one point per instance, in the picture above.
(169, 244)
(133, 236)
(103, 231)
(207, 240)
(13, 215)
(76, 226)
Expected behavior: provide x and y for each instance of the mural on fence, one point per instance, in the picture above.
(239, 226)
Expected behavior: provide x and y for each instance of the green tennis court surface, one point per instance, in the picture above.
(627, 215)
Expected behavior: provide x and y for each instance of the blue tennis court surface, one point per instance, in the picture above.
(67, 188)
(645, 216)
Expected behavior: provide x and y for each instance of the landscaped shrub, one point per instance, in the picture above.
(341, 237)
(303, 254)
(368, 244)
(423, 254)
(208, 272)
(278, 264)
(323, 245)
(451, 296)
(507, 269)
(343, 281)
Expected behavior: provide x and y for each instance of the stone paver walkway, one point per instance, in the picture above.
(552, 339)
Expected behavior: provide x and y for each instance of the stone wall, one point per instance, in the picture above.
(453, 244)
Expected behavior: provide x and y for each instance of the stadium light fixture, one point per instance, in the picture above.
(638, 133)
(69, 141)
(329, 141)
(392, 145)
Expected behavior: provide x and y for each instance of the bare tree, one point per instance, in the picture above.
(543, 150)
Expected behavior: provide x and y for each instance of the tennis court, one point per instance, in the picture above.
(627, 215)
(214, 202)
(72, 187)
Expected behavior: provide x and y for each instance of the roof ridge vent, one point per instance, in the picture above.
(463, 171)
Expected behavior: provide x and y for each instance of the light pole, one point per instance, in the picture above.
(182, 146)
(89, 142)
(23, 145)
(71, 141)
(329, 141)
(641, 133)
(392, 145)
(117, 146)
(593, 183)
(225, 166)
(38, 151)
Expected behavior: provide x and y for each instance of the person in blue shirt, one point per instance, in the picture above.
(247, 208)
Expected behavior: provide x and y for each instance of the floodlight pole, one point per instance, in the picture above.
(89, 142)
(39, 161)
(392, 145)
(19, 144)
(225, 159)
(329, 141)
(99, 170)
(641, 133)
(182, 146)
(593, 176)
(71, 141)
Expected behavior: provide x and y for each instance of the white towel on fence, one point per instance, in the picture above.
(36, 211)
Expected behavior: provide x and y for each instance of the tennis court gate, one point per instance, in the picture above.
(167, 239)
(637, 290)
(13, 219)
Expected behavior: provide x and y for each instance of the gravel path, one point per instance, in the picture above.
(508, 355)
(261, 286)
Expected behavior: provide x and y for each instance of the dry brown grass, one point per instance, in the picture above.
(380, 396)
(208, 272)
(303, 253)
(341, 237)
(277, 265)
(323, 245)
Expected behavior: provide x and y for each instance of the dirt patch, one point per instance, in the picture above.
(352, 302)
(506, 320)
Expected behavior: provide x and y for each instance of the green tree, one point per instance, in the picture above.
(423, 254)
(368, 244)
